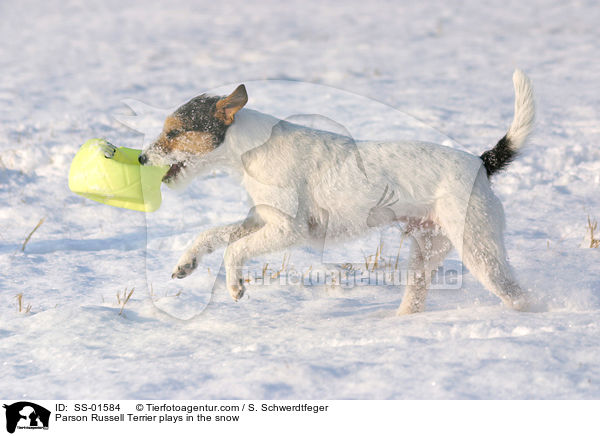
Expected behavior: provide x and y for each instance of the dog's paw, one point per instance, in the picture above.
(521, 304)
(410, 306)
(237, 290)
(184, 268)
(402, 311)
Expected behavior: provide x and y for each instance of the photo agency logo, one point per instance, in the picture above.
(341, 206)
(24, 415)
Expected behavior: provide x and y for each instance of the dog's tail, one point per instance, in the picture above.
(507, 148)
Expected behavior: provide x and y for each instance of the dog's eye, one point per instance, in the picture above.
(173, 133)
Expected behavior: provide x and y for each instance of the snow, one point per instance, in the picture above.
(382, 70)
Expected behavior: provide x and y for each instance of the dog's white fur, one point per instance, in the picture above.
(307, 185)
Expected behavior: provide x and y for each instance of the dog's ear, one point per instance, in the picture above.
(228, 106)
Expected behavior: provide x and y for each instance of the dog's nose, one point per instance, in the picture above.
(142, 159)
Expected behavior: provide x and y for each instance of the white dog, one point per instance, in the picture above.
(308, 184)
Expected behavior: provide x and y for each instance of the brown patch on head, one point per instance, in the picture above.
(192, 142)
(227, 107)
(172, 123)
(195, 129)
(175, 138)
(199, 126)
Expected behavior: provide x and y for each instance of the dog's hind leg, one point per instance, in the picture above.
(428, 249)
(491, 268)
(487, 262)
(279, 231)
(478, 237)
(212, 239)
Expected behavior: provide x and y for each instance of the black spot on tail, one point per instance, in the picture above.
(499, 157)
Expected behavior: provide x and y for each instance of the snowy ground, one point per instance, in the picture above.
(446, 69)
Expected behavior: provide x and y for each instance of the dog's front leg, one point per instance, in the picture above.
(427, 251)
(210, 240)
(278, 232)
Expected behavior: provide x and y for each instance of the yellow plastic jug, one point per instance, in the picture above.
(118, 181)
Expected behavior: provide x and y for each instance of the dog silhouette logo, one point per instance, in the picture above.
(26, 415)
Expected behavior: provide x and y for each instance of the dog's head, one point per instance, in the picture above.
(192, 131)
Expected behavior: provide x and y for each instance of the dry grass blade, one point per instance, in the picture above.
(123, 299)
(306, 274)
(367, 261)
(398, 255)
(592, 227)
(20, 306)
(378, 254)
(31, 234)
(286, 259)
